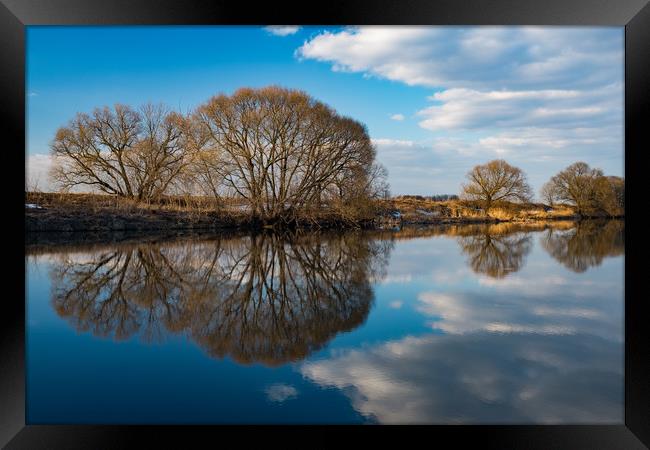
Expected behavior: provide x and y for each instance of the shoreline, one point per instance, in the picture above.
(47, 241)
(74, 213)
(61, 221)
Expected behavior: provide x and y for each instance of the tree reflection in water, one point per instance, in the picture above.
(261, 298)
(587, 244)
(273, 299)
(496, 250)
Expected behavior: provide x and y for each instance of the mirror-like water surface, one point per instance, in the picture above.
(505, 323)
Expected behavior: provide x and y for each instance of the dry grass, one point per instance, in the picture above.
(101, 212)
(97, 212)
(424, 210)
(99, 202)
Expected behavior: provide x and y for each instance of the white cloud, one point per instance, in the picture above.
(282, 30)
(480, 378)
(37, 175)
(413, 168)
(398, 117)
(439, 166)
(524, 304)
(280, 392)
(37, 172)
(461, 108)
(395, 142)
(396, 304)
(536, 95)
(475, 57)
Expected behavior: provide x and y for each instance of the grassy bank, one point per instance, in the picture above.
(103, 213)
(423, 211)
(99, 213)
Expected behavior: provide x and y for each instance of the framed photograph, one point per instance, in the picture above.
(270, 220)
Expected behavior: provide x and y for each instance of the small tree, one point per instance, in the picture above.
(496, 181)
(547, 193)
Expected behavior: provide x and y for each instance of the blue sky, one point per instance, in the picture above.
(436, 100)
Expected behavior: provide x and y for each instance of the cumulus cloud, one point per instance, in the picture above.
(480, 378)
(282, 30)
(470, 109)
(549, 95)
(397, 117)
(475, 57)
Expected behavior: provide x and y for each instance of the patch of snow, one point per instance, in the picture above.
(33, 206)
(427, 213)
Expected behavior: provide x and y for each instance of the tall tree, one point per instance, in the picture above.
(282, 151)
(496, 181)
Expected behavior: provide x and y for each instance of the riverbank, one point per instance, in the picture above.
(47, 212)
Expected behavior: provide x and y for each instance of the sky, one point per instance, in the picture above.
(436, 100)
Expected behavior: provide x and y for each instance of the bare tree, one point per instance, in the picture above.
(496, 181)
(160, 154)
(609, 195)
(281, 151)
(576, 185)
(547, 193)
(121, 151)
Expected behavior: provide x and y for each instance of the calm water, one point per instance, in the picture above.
(464, 324)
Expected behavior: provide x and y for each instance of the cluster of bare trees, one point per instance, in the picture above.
(586, 189)
(281, 151)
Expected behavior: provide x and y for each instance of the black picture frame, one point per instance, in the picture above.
(634, 15)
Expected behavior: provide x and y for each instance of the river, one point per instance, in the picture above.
(473, 324)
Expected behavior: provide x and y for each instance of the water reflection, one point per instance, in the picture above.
(262, 298)
(480, 378)
(544, 345)
(277, 298)
(496, 250)
(586, 244)
(472, 324)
